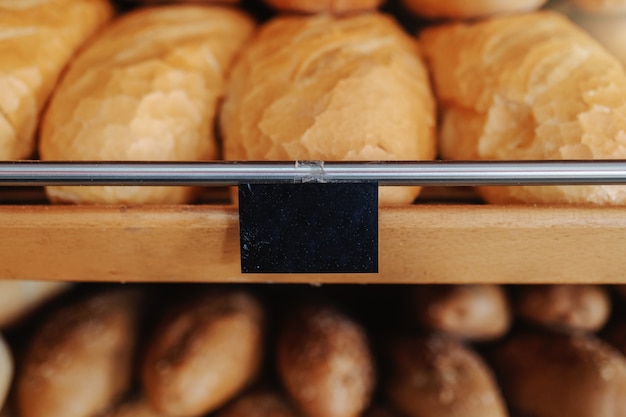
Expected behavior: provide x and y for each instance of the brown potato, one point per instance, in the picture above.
(204, 353)
(473, 312)
(440, 376)
(567, 307)
(556, 375)
(325, 362)
(80, 359)
(259, 403)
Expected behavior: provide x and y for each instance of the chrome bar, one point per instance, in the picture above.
(222, 173)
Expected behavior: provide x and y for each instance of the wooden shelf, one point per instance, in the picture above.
(424, 243)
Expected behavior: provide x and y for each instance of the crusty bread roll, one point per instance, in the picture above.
(467, 9)
(329, 88)
(473, 312)
(146, 89)
(37, 39)
(259, 403)
(507, 92)
(204, 353)
(564, 307)
(134, 407)
(6, 370)
(601, 6)
(321, 6)
(19, 297)
(440, 376)
(80, 359)
(325, 363)
(607, 28)
(555, 375)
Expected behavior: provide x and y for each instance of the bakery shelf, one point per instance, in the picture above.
(427, 243)
(445, 238)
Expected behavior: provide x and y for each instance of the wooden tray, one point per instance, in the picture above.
(424, 243)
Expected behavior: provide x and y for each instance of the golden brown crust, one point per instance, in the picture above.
(19, 297)
(37, 40)
(464, 9)
(259, 403)
(507, 92)
(204, 353)
(324, 6)
(146, 89)
(439, 376)
(6, 370)
(475, 312)
(566, 307)
(80, 360)
(330, 89)
(601, 6)
(325, 363)
(553, 375)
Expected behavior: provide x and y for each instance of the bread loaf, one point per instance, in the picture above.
(6, 370)
(259, 403)
(601, 6)
(80, 359)
(325, 363)
(327, 88)
(327, 6)
(507, 92)
(564, 307)
(37, 39)
(19, 297)
(146, 89)
(440, 376)
(555, 375)
(464, 9)
(474, 312)
(204, 353)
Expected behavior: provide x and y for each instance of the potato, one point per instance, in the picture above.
(80, 359)
(474, 312)
(259, 403)
(556, 375)
(440, 376)
(204, 353)
(325, 363)
(567, 307)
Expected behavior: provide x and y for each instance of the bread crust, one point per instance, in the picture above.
(327, 88)
(464, 9)
(146, 89)
(509, 93)
(321, 6)
(37, 40)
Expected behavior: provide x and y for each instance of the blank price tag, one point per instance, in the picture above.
(309, 228)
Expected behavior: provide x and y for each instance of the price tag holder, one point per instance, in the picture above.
(309, 227)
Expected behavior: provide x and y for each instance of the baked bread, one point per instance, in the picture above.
(325, 88)
(6, 370)
(37, 39)
(564, 307)
(259, 403)
(325, 362)
(324, 6)
(146, 89)
(609, 7)
(80, 359)
(472, 312)
(440, 376)
(19, 297)
(204, 353)
(509, 93)
(554, 375)
(464, 9)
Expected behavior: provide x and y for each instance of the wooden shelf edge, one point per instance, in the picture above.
(418, 244)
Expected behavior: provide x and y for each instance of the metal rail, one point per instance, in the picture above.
(222, 173)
